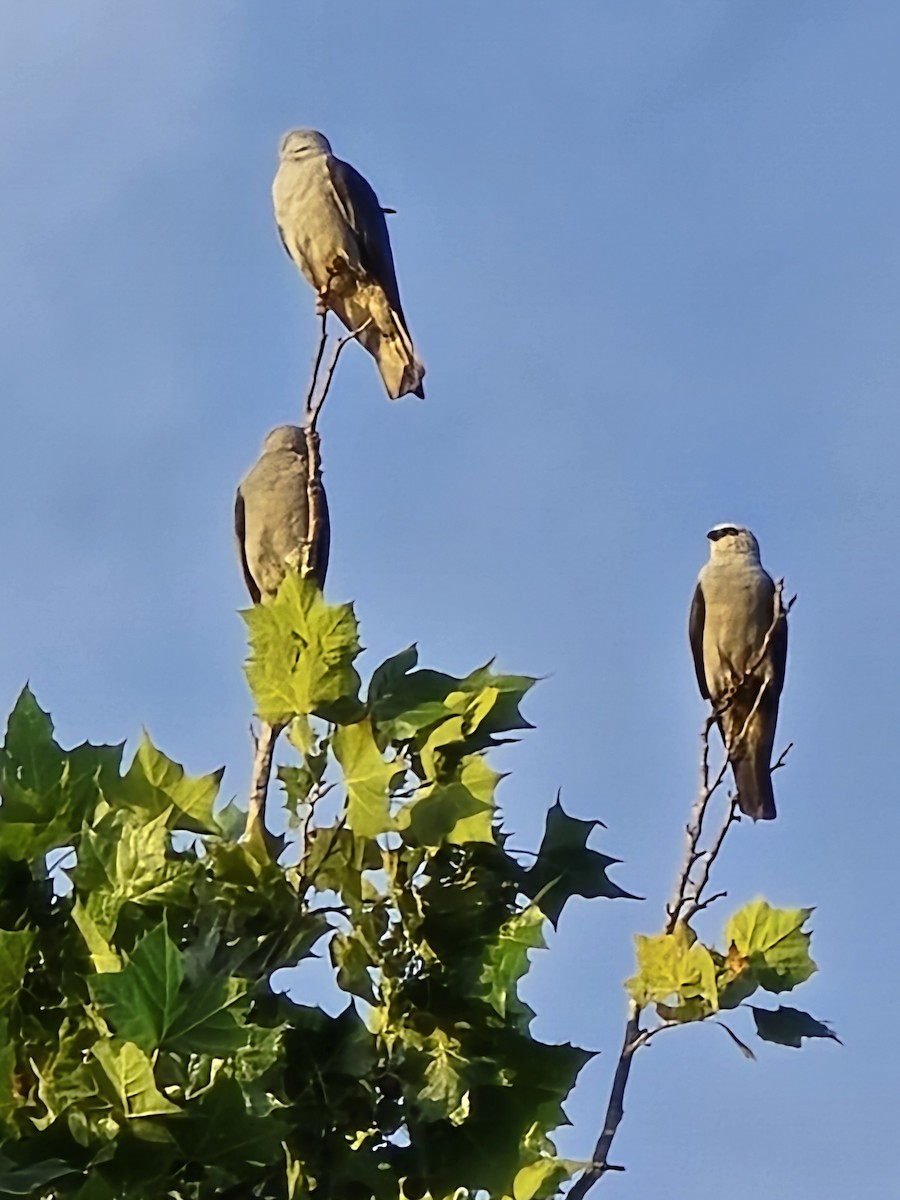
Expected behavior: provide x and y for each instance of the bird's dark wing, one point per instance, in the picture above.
(283, 241)
(240, 531)
(778, 646)
(366, 217)
(695, 633)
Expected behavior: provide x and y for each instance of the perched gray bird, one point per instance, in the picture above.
(732, 611)
(271, 515)
(334, 229)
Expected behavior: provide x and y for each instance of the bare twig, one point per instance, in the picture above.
(688, 896)
(694, 903)
(314, 406)
(317, 362)
(781, 760)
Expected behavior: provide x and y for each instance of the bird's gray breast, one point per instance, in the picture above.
(312, 222)
(738, 613)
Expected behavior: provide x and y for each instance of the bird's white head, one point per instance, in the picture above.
(286, 437)
(303, 143)
(728, 538)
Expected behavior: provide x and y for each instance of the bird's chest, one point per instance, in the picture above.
(312, 223)
(738, 616)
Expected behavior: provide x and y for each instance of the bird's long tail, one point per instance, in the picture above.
(386, 338)
(756, 797)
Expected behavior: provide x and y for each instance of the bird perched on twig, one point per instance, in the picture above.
(738, 635)
(272, 515)
(334, 229)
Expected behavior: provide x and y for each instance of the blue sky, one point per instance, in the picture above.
(651, 256)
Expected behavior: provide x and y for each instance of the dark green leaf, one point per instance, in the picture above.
(565, 866)
(155, 784)
(788, 1026)
(141, 1001)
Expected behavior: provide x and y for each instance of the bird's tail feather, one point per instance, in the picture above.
(756, 797)
(385, 337)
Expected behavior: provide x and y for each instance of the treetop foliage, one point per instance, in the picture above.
(145, 1052)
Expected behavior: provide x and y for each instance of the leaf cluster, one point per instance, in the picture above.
(146, 1051)
(766, 949)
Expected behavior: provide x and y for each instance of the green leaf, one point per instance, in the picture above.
(130, 1072)
(675, 966)
(543, 1177)
(459, 811)
(788, 1026)
(565, 867)
(352, 962)
(16, 949)
(47, 792)
(65, 1080)
(105, 960)
(367, 778)
(208, 1019)
(141, 1001)
(389, 679)
(220, 1130)
(444, 1096)
(774, 943)
(155, 784)
(507, 959)
(24, 1181)
(301, 655)
(9, 1099)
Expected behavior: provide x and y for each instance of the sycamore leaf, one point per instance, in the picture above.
(16, 947)
(367, 778)
(47, 792)
(141, 1001)
(352, 962)
(788, 1026)
(103, 956)
(208, 1018)
(506, 960)
(130, 1072)
(444, 1094)
(458, 811)
(25, 1181)
(9, 1100)
(155, 784)
(675, 965)
(389, 678)
(301, 655)
(774, 943)
(566, 867)
(544, 1176)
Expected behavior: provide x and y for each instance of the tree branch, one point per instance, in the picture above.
(688, 898)
(259, 782)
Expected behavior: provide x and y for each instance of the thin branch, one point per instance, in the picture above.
(695, 904)
(314, 406)
(782, 757)
(310, 559)
(259, 782)
(317, 362)
(615, 1110)
(688, 898)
